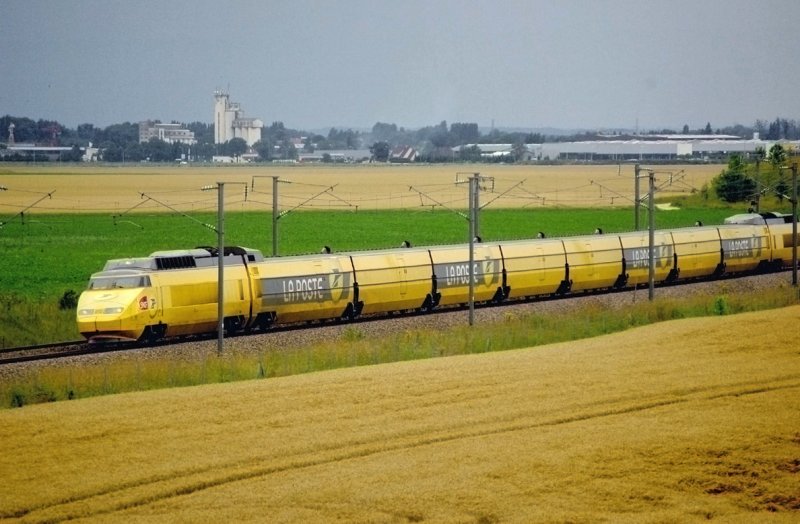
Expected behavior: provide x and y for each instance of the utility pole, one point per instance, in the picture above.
(793, 200)
(651, 251)
(275, 216)
(277, 213)
(473, 222)
(636, 198)
(474, 182)
(652, 227)
(220, 266)
(758, 185)
(476, 205)
(794, 224)
(221, 260)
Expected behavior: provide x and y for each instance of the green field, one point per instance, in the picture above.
(48, 255)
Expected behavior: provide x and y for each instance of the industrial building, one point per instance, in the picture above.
(650, 147)
(230, 122)
(661, 147)
(169, 133)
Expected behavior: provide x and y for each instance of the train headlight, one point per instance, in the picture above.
(86, 312)
(113, 310)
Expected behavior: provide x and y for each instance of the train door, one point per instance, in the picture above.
(402, 274)
(541, 259)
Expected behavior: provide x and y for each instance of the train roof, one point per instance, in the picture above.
(759, 218)
(185, 258)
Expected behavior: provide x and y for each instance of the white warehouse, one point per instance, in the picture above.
(671, 147)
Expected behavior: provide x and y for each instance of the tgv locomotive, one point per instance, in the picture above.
(174, 293)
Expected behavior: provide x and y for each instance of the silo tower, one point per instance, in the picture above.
(223, 117)
(230, 122)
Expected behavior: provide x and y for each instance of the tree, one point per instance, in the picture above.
(157, 150)
(203, 133)
(264, 149)
(204, 150)
(275, 133)
(462, 133)
(380, 151)
(111, 152)
(120, 134)
(73, 155)
(286, 150)
(733, 184)
(759, 154)
(383, 132)
(86, 132)
(781, 187)
(776, 155)
(519, 151)
(707, 130)
(685, 129)
(236, 146)
(470, 153)
(133, 152)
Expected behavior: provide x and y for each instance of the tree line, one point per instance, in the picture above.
(434, 143)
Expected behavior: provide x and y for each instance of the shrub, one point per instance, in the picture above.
(69, 300)
(721, 306)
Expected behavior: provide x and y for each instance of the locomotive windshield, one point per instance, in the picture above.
(119, 282)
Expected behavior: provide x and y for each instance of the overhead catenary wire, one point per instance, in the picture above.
(547, 193)
(31, 206)
(209, 226)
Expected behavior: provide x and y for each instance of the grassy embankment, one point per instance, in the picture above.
(679, 422)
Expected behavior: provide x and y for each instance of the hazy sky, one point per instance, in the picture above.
(351, 63)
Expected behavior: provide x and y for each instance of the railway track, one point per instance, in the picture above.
(55, 350)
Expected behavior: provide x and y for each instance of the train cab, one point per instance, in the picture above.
(117, 305)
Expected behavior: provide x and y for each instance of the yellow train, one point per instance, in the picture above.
(174, 293)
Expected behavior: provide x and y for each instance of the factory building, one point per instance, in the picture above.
(650, 147)
(671, 147)
(169, 133)
(230, 122)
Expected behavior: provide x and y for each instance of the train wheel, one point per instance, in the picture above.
(349, 313)
(233, 324)
(153, 334)
(264, 321)
(427, 305)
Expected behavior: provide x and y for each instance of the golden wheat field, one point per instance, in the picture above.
(80, 188)
(681, 421)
